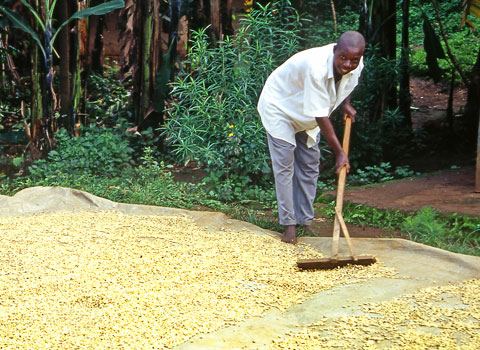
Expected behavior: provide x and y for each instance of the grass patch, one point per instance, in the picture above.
(363, 215)
(456, 233)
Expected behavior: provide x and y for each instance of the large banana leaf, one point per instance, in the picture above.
(91, 11)
(34, 13)
(20, 23)
(99, 9)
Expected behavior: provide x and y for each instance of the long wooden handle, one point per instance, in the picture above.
(341, 188)
(339, 217)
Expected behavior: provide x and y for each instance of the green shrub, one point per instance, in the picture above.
(98, 151)
(213, 118)
(385, 140)
(108, 98)
(379, 173)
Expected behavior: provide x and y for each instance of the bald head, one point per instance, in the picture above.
(347, 53)
(351, 40)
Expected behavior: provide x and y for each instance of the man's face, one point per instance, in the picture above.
(346, 59)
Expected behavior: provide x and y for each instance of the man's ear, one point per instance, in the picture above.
(334, 47)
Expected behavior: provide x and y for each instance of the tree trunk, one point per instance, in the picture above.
(64, 52)
(334, 17)
(227, 17)
(405, 99)
(145, 62)
(384, 34)
(79, 81)
(451, 92)
(384, 27)
(363, 23)
(128, 40)
(200, 14)
(42, 93)
(164, 62)
(131, 58)
(156, 38)
(37, 99)
(215, 20)
(98, 24)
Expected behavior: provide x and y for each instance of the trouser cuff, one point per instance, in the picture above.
(305, 223)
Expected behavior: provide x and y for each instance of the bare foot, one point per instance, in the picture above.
(290, 235)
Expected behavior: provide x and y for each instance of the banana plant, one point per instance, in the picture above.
(46, 35)
(45, 21)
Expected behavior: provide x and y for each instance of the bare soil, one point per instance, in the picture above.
(448, 192)
(430, 102)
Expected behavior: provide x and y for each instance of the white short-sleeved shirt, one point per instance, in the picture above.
(302, 89)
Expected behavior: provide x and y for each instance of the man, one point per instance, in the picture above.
(295, 105)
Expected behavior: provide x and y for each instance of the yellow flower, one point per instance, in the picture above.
(231, 126)
(231, 134)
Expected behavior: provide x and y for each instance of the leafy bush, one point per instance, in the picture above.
(379, 74)
(108, 97)
(213, 118)
(385, 140)
(381, 173)
(98, 151)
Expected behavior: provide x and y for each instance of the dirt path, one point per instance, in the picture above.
(448, 192)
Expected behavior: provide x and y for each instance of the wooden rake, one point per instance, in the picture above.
(336, 261)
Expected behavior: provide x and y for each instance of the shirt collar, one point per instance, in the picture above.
(330, 65)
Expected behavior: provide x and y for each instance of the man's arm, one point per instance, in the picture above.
(348, 110)
(329, 133)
